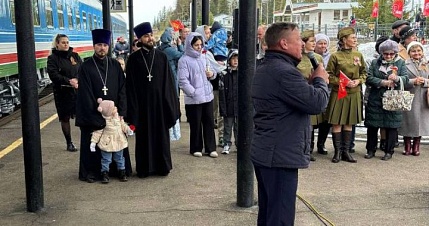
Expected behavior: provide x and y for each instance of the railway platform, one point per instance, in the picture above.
(202, 191)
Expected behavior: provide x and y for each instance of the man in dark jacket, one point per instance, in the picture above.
(396, 28)
(283, 101)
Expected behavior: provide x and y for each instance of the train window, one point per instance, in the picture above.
(90, 21)
(60, 13)
(70, 17)
(84, 20)
(36, 16)
(12, 10)
(49, 15)
(76, 11)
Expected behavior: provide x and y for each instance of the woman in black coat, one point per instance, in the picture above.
(63, 65)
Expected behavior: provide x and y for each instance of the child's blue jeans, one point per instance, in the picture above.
(106, 159)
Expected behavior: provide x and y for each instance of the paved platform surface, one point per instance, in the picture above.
(202, 191)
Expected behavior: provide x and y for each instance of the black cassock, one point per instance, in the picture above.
(88, 118)
(153, 108)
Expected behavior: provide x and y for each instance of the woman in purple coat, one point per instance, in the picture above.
(194, 75)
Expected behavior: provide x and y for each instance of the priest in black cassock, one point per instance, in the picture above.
(152, 104)
(99, 77)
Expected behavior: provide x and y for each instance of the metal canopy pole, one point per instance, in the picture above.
(25, 43)
(246, 70)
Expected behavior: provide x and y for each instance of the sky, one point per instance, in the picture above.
(147, 10)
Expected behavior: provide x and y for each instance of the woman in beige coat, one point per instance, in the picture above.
(414, 123)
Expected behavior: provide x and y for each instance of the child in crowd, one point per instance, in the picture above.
(228, 99)
(121, 62)
(111, 140)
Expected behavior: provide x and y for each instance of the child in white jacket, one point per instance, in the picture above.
(111, 140)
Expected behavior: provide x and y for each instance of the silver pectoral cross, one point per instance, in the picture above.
(149, 77)
(105, 90)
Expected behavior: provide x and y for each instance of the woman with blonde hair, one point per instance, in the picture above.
(63, 65)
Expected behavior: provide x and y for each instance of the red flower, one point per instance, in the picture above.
(204, 51)
(132, 127)
(394, 68)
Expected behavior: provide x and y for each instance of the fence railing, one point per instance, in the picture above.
(364, 31)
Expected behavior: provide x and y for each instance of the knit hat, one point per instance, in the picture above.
(388, 45)
(232, 52)
(414, 43)
(379, 41)
(345, 32)
(105, 107)
(101, 36)
(142, 29)
(399, 23)
(322, 36)
(406, 32)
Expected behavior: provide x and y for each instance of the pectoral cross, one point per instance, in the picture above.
(150, 77)
(105, 90)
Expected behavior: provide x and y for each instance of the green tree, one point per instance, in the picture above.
(214, 7)
(223, 7)
(384, 13)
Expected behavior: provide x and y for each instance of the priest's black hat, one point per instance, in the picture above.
(142, 29)
(399, 23)
(101, 36)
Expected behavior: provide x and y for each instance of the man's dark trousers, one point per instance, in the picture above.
(276, 195)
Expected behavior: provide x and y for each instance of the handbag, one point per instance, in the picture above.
(397, 100)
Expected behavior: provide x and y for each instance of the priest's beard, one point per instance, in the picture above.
(147, 46)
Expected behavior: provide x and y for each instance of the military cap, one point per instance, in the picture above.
(344, 32)
(307, 34)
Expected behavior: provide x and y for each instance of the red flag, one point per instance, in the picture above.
(398, 8)
(374, 9)
(344, 80)
(426, 8)
(177, 25)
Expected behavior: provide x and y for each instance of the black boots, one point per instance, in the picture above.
(345, 155)
(336, 140)
(342, 153)
(321, 137)
(71, 147)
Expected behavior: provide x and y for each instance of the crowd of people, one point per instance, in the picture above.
(299, 86)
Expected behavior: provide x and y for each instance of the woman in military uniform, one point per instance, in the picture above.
(345, 111)
(306, 70)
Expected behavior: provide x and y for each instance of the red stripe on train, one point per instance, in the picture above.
(13, 57)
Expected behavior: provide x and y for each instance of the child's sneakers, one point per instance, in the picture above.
(225, 150)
